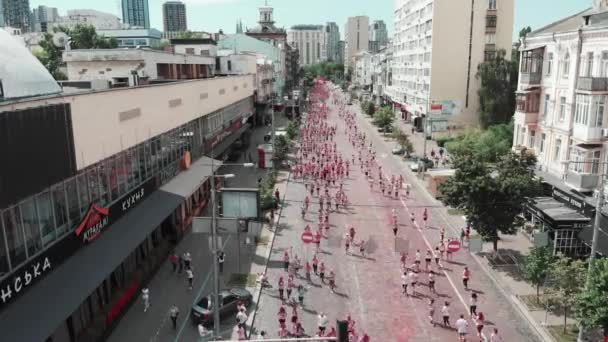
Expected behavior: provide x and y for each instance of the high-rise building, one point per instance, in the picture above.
(356, 36)
(378, 33)
(341, 48)
(97, 19)
(311, 42)
(16, 14)
(43, 17)
(136, 13)
(174, 16)
(333, 39)
(438, 46)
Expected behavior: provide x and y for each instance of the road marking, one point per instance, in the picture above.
(200, 291)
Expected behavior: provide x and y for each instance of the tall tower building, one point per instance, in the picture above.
(438, 46)
(136, 13)
(16, 13)
(310, 40)
(333, 40)
(356, 37)
(43, 17)
(378, 33)
(174, 16)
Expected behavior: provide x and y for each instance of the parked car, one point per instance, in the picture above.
(202, 311)
(387, 129)
(398, 150)
(428, 164)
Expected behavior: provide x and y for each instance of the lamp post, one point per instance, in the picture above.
(215, 248)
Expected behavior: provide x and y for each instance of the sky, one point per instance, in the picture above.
(212, 15)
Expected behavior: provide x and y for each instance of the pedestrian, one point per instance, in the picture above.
(466, 275)
(202, 331)
(220, 260)
(190, 276)
(180, 261)
(405, 280)
(494, 337)
(145, 296)
(282, 314)
(241, 318)
(432, 282)
(322, 322)
(286, 261)
(431, 311)
(173, 313)
(301, 295)
(445, 313)
(427, 259)
(281, 288)
(462, 235)
(479, 322)
(461, 326)
(473, 305)
(187, 260)
(277, 195)
(261, 335)
(322, 272)
(413, 276)
(417, 257)
(436, 254)
(290, 285)
(173, 260)
(307, 269)
(315, 263)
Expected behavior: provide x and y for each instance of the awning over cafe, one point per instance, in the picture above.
(556, 214)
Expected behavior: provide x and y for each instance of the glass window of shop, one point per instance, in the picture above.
(14, 235)
(45, 217)
(31, 226)
(4, 263)
(60, 210)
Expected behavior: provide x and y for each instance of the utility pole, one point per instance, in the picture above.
(215, 250)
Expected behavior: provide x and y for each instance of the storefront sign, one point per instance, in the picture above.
(574, 202)
(90, 228)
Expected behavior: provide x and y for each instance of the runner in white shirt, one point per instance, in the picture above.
(405, 280)
(461, 326)
(445, 313)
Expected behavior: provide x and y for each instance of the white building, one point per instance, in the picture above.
(562, 97)
(131, 67)
(363, 70)
(333, 41)
(195, 46)
(356, 38)
(311, 42)
(134, 38)
(380, 74)
(99, 20)
(437, 48)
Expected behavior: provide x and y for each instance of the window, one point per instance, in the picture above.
(603, 71)
(490, 38)
(542, 142)
(491, 21)
(598, 112)
(581, 115)
(492, 4)
(595, 162)
(589, 64)
(566, 67)
(531, 138)
(546, 107)
(558, 147)
(562, 108)
(489, 55)
(549, 62)
(229, 65)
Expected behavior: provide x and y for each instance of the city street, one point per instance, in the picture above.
(369, 288)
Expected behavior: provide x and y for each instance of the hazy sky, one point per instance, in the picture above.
(212, 15)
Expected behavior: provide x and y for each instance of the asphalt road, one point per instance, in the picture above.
(369, 288)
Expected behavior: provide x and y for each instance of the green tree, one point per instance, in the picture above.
(567, 281)
(50, 57)
(292, 130)
(497, 90)
(524, 32)
(281, 148)
(384, 117)
(536, 267)
(491, 144)
(403, 139)
(591, 308)
(371, 109)
(491, 195)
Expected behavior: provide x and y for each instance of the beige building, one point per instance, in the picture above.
(311, 42)
(437, 48)
(356, 37)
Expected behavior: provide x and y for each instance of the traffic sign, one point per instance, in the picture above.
(454, 246)
(307, 237)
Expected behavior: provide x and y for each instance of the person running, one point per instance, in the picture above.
(436, 254)
(466, 275)
(173, 313)
(281, 289)
(445, 313)
(413, 281)
(322, 322)
(190, 277)
(461, 326)
(282, 315)
(307, 269)
(494, 337)
(405, 280)
(322, 272)
(145, 296)
(432, 311)
(479, 323)
(417, 257)
(290, 285)
(432, 282)
(315, 263)
(473, 304)
(427, 259)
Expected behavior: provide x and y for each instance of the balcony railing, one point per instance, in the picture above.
(582, 181)
(531, 77)
(593, 83)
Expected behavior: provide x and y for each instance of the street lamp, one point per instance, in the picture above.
(214, 245)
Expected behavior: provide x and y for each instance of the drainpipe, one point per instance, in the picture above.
(579, 50)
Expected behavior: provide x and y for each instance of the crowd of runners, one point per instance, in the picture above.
(323, 169)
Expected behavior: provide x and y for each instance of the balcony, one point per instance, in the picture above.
(587, 134)
(531, 78)
(582, 181)
(527, 107)
(593, 84)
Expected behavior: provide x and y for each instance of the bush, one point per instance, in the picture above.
(292, 130)
(442, 141)
(281, 148)
(266, 188)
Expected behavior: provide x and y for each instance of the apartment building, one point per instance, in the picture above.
(356, 38)
(333, 41)
(437, 48)
(310, 41)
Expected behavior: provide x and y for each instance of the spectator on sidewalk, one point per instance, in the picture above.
(190, 276)
(173, 259)
(173, 313)
(187, 260)
(241, 318)
(220, 261)
(145, 296)
(277, 195)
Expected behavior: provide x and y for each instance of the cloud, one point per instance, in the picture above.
(209, 2)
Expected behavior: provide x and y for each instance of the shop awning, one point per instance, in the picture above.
(49, 302)
(555, 213)
(586, 235)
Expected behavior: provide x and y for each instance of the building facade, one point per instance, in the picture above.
(16, 14)
(435, 64)
(136, 13)
(174, 16)
(311, 42)
(43, 17)
(333, 41)
(363, 70)
(132, 38)
(378, 33)
(341, 51)
(97, 19)
(356, 37)
(266, 29)
(126, 180)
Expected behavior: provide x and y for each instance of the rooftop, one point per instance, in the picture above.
(570, 23)
(307, 27)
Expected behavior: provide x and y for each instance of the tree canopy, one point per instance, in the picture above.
(536, 267)
(490, 144)
(567, 280)
(384, 117)
(591, 308)
(330, 70)
(498, 77)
